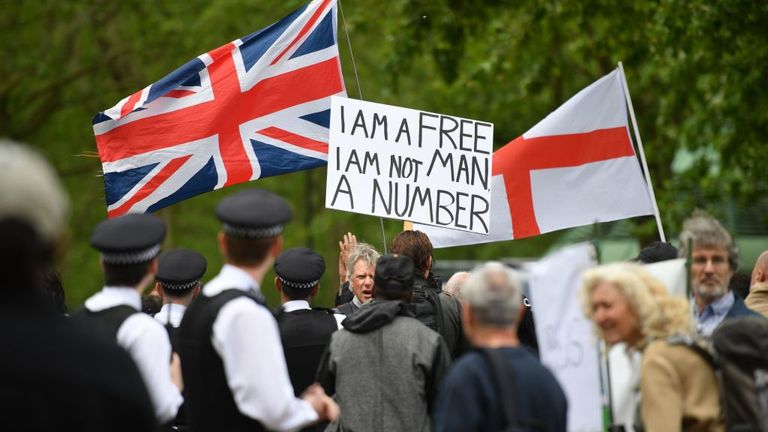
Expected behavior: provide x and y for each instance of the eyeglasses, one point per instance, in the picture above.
(717, 261)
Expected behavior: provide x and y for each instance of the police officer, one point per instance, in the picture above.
(178, 283)
(305, 332)
(234, 368)
(129, 246)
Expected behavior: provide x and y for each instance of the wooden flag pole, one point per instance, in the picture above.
(639, 141)
(360, 94)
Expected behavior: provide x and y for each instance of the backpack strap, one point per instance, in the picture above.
(695, 347)
(708, 357)
(503, 382)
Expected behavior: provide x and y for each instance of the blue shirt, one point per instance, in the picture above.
(714, 313)
(467, 401)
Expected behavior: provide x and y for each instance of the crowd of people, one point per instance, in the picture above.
(399, 352)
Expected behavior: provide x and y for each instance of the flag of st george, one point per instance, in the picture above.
(256, 107)
(576, 167)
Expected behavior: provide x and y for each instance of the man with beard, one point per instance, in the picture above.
(714, 260)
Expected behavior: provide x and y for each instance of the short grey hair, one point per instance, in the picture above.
(456, 283)
(703, 230)
(493, 295)
(363, 251)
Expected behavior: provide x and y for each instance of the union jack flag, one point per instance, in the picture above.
(256, 107)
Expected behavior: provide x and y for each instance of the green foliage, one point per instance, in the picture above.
(697, 72)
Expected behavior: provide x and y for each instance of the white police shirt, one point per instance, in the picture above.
(171, 313)
(146, 340)
(294, 305)
(246, 337)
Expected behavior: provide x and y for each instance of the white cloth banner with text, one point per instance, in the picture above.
(567, 344)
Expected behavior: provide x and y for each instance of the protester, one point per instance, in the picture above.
(657, 251)
(129, 246)
(384, 366)
(55, 375)
(234, 368)
(757, 300)
(760, 269)
(361, 264)
(714, 261)
(456, 283)
(304, 331)
(471, 396)
(437, 310)
(345, 294)
(678, 387)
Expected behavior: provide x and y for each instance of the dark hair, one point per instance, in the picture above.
(657, 251)
(54, 291)
(405, 295)
(297, 293)
(247, 252)
(23, 257)
(415, 245)
(739, 284)
(151, 304)
(125, 274)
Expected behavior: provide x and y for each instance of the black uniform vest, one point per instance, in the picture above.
(104, 322)
(305, 335)
(210, 402)
(181, 422)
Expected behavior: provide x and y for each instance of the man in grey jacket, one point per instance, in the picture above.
(385, 366)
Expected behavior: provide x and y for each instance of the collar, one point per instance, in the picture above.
(111, 296)
(171, 313)
(356, 301)
(230, 277)
(294, 305)
(172, 307)
(722, 305)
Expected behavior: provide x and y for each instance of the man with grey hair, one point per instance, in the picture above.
(501, 386)
(361, 265)
(456, 283)
(714, 260)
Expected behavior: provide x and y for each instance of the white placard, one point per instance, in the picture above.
(567, 344)
(410, 165)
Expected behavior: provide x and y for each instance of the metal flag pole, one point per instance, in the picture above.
(360, 95)
(639, 141)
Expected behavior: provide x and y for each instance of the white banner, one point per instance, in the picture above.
(567, 344)
(410, 165)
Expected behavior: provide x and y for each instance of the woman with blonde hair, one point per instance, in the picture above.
(678, 388)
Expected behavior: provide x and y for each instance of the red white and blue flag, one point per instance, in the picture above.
(256, 107)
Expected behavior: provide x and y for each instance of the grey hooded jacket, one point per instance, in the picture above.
(384, 367)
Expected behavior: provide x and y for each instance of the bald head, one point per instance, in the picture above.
(760, 271)
(455, 283)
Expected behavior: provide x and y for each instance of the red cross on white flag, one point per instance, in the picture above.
(576, 167)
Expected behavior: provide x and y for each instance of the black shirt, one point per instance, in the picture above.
(57, 375)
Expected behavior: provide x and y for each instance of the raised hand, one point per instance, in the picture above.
(345, 246)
